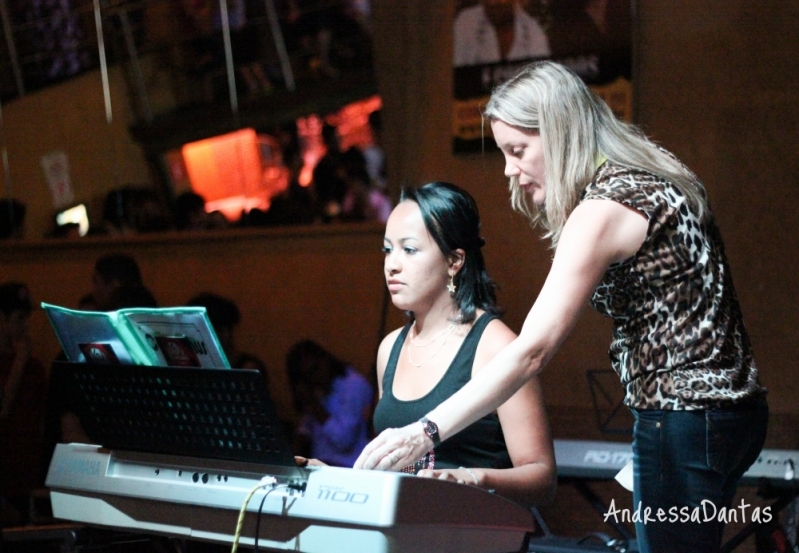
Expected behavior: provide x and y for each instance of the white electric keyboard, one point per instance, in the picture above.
(317, 510)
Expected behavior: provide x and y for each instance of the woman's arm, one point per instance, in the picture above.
(533, 478)
(597, 234)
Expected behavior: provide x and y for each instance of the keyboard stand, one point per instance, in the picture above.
(596, 502)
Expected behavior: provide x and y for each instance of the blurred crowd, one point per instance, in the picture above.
(56, 39)
(344, 185)
(333, 401)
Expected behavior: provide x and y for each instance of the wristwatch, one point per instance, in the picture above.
(431, 429)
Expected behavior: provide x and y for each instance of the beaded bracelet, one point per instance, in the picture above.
(476, 481)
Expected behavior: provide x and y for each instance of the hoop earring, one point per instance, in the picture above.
(451, 288)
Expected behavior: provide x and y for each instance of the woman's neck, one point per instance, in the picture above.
(431, 323)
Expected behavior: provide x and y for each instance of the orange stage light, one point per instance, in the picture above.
(228, 172)
(242, 170)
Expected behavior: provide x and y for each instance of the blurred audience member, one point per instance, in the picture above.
(225, 316)
(360, 11)
(247, 46)
(50, 38)
(334, 401)
(293, 206)
(112, 271)
(329, 177)
(88, 303)
(189, 213)
(363, 201)
(355, 205)
(131, 295)
(12, 218)
(313, 22)
(374, 154)
(22, 392)
(134, 209)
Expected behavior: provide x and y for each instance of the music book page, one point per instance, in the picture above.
(166, 337)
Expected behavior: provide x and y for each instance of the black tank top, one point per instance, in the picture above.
(480, 445)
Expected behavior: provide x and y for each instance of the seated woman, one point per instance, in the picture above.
(334, 401)
(435, 272)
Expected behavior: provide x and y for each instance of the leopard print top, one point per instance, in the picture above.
(679, 340)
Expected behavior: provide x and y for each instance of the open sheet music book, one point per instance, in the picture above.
(166, 337)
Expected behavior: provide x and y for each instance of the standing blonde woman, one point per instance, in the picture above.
(435, 272)
(633, 235)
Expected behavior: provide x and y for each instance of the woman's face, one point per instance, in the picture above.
(415, 269)
(524, 158)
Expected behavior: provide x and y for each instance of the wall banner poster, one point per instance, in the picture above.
(494, 39)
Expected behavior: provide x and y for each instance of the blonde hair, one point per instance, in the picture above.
(577, 130)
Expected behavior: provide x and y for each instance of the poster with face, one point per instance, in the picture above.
(494, 39)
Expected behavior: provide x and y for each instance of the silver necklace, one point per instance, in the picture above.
(440, 334)
(443, 342)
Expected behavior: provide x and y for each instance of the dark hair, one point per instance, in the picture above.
(354, 164)
(87, 302)
(330, 136)
(135, 208)
(15, 296)
(222, 312)
(452, 219)
(308, 356)
(131, 295)
(120, 267)
(376, 121)
(187, 205)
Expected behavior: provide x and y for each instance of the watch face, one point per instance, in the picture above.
(431, 429)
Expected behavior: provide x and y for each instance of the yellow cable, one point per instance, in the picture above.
(240, 524)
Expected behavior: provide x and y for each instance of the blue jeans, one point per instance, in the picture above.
(688, 464)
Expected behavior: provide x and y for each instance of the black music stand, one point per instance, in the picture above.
(208, 413)
(612, 417)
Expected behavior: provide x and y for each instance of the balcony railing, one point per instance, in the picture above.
(212, 49)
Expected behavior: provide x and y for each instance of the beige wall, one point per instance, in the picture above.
(71, 117)
(716, 86)
(720, 88)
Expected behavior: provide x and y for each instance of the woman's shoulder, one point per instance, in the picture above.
(497, 332)
(614, 178)
(495, 337)
(635, 188)
(620, 182)
(391, 337)
(384, 351)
